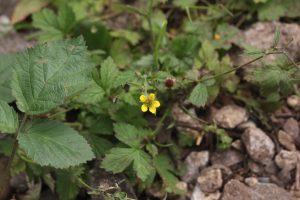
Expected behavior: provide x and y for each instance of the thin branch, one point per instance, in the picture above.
(241, 66)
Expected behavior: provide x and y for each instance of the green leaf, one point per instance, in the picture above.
(142, 165)
(165, 169)
(208, 56)
(185, 45)
(199, 95)
(6, 64)
(100, 145)
(109, 73)
(8, 118)
(272, 10)
(45, 75)
(152, 149)
(92, 95)
(66, 183)
(128, 134)
(54, 144)
(123, 78)
(121, 52)
(116, 156)
(54, 27)
(272, 79)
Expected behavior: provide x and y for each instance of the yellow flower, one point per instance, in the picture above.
(217, 36)
(149, 102)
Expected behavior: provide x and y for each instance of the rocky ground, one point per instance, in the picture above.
(261, 164)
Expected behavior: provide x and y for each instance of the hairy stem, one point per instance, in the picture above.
(14, 151)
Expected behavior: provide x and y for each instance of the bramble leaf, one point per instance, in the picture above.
(8, 118)
(45, 75)
(54, 144)
(199, 95)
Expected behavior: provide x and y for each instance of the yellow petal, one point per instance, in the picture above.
(152, 109)
(144, 108)
(143, 98)
(156, 104)
(151, 96)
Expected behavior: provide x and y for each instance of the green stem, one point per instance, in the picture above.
(161, 121)
(13, 154)
(86, 185)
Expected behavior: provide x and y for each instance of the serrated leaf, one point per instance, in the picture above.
(142, 165)
(54, 27)
(115, 156)
(45, 75)
(66, 183)
(8, 118)
(272, 79)
(127, 134)
(199, 95)
(51, 143)
(141, 161)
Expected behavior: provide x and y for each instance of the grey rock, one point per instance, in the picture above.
(199, 195)
(286, 140)
(227, 158)
(237, 144)
(247, 124)
(230, 116)
(210, 180)
(291, 127)
(286, 159)
(235, 190)
(251, 181)
(261, 35)
(194, 162)
(258, 145)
